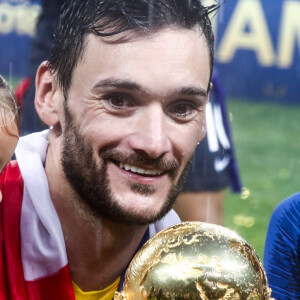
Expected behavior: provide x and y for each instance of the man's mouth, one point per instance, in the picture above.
(139, 170)
(141, 165)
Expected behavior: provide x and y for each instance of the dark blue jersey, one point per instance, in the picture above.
(214, 165)
(282, 250)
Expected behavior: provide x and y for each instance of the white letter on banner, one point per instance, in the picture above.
(6, 18)
(289, 33)
(27, 18)
(248, 13)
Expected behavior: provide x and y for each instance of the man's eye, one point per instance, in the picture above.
(119, 101)
(183, 109)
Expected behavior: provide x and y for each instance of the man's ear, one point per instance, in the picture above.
(48, 98)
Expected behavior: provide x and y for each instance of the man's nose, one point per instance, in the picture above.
(151, 132)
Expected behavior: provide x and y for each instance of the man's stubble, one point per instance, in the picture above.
(91, 182)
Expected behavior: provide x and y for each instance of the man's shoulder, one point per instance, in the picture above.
(288, 208)
(284, 223)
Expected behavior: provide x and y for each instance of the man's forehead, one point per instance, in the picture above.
(180, 56)
(170, 39)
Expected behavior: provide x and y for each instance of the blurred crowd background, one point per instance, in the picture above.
(257, 58)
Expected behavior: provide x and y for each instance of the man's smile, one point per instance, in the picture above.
(139, 170)
(136, 164)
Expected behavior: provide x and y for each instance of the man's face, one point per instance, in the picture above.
(134, 114)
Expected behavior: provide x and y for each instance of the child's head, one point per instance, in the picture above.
(9, 123)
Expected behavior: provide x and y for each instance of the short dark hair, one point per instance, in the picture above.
(110, 17)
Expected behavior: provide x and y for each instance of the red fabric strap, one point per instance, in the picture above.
(56, 286)
(12, 279)
(12, 284)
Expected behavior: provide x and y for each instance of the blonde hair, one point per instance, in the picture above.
(9, 111)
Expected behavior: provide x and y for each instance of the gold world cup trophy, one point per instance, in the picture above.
(195, 260)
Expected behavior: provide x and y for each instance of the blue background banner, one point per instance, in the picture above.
(17, 25)
(257, 49)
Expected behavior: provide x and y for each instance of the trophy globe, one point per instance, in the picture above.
(195, 260)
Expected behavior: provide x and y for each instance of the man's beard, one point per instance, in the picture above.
(92, 184)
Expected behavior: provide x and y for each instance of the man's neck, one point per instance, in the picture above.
(99, 253)
(98, 249)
